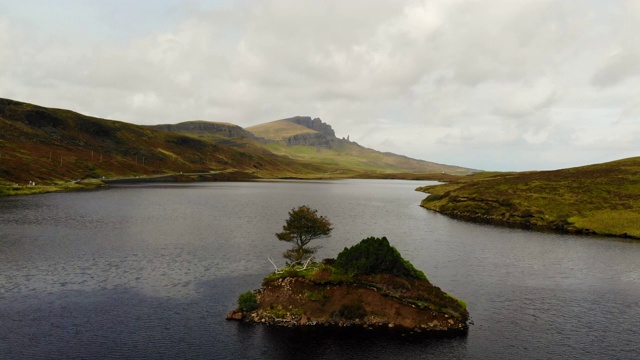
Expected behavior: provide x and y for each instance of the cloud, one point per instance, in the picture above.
(622, 58)
(616, 68)
(5, 35)
(630, 113)
(459, 82)
(528, 99)
(506, 41)
(623, 137)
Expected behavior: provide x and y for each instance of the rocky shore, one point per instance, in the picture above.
(370, 302)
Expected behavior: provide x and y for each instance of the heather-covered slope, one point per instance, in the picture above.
(50, 146)
(597, 199)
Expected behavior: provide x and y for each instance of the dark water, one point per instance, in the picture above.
(149, 271)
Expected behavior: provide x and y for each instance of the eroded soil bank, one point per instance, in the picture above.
(381, 301)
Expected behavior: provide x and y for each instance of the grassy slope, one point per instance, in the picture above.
(345, 157)
(222, 135)
(54, 146)
(365, 162)
(597, 199)
(279, 130)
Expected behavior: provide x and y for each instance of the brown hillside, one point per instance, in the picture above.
(52, 145)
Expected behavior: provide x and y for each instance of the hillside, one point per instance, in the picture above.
(280, 130)
(53, 146)
(599, 199)
(311, 140)
(56, 147)
(209, 130)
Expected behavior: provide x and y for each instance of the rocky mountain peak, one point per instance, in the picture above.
(314, 124)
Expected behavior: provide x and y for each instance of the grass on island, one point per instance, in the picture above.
(599, 199)
(404, 289)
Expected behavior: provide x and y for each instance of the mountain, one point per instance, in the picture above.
(56, 146)
(599, 199)
(312, 140)
(46, 145)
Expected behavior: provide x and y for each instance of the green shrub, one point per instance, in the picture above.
(277, 311)
(373, 256)
(247, 301)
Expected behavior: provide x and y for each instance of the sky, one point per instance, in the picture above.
(491, 85)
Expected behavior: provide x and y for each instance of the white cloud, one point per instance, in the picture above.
(630, 113)
(4, 42)
(528, 99)
(499, 84)
(144, 100)
(617, 67)
(621, 61)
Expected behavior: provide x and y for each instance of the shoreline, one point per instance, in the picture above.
(312, 299)
(13, 189)
(523, 224)
(349, 326)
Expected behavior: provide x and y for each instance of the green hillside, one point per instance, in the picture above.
(597, 199)
(313, 141)
(53, 146)
(279, 130)
(355, 158)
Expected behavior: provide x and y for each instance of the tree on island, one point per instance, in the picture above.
(303, 225)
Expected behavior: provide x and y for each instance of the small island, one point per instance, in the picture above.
(368, 285)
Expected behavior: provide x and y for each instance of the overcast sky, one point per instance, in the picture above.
(493, 85)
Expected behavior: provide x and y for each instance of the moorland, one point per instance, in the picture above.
(45, 149)
(600, 199)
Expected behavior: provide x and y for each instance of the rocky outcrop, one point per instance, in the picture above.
(311, 139)
(372, 302)
(205, 127)
(323, 137)
(314, 124)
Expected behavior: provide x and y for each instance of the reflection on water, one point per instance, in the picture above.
(149, 271)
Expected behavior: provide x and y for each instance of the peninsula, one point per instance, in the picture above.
(600, 199)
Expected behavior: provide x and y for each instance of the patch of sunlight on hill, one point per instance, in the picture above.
(614, 222)
(279, 130)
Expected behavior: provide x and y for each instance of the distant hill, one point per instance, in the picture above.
(281, 129)
(312, 140)
(596, 199)
(215, 130)
(53, 145)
